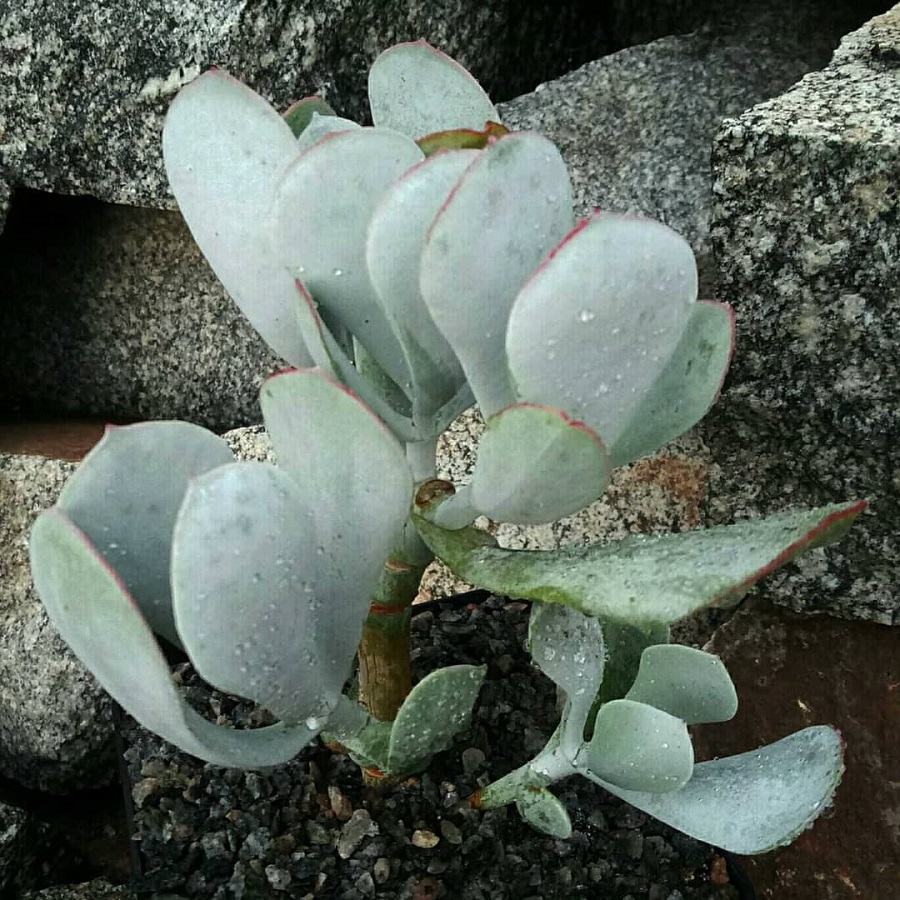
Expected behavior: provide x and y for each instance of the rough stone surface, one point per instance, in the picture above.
(636, 127)
(114, 313)
(84, 85)
(98, 889)
(807, 237)
(28, 848)
(55, 721)
(792, 671)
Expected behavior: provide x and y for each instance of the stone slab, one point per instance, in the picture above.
(806, 236)
(792, 671)
(55, 722)
(84, 84)
(115, 313)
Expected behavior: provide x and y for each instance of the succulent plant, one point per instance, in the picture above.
(421, 265)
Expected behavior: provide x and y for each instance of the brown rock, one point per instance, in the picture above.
(792, 671)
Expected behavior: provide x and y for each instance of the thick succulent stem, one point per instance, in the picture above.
(384, 666)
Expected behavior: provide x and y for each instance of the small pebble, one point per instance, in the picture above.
(452, 834)
(382, 869)
(278, 878)
(358, 827)
(425, 839)
(340, 803)
(472, 760)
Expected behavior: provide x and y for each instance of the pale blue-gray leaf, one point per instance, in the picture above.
(258, 591)
(536, 465)
(755, 801)
(319, 218)
(224, 149)
(321, 126)
(686, 388)
(638, 747)
(512, 206)
(685, 682)
(125, 496)
(543, 811)
(419, 90)
(596, 324)
(93, 611)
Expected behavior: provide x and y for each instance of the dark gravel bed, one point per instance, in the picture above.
(311, 829)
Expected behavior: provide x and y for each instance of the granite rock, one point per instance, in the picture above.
(115, 313)
(27, 846)
(792, 671)
(807, 243)
(636, 127)
(84, 85)
(56, 729)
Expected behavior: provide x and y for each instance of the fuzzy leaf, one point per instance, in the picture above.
(508, 211)
(300, 114)
(322, 207)
(396, 235)
(417, 90)
(755, 801)
(543, 811)
(437, 709)
(596, 324)
(128, 518)
(684, 682)
(259, 593)
(642, 581)
(536, 465)
(93, 611)
(224, 148)
(686, 388)
(639, 747)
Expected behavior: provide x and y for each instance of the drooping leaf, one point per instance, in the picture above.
(536, 465)
(597, 323)
(638, 747)
(687, 683)
(437, 709)
(417, 90)
(543, 811)
(643, 581)
(755, 801)
(320, 214)
(396, 235)
(224, 149)
(568, 648)
(461, 138)
(686, 388)
(93, 611)
(511, 207)
(259, 591)
(128, 518)
(298, 115)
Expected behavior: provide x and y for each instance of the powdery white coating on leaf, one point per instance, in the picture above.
(753, 802)
(543, 811)
(639, 747)
(255, 584)
(396, 235)
(319, 218)
(686, 388)
(125, 497)
(321, 127)
(419, 90)
(99, 620)
(536, 465)
(224, 149)
(512, 206)
(685, 682)
(598, 321)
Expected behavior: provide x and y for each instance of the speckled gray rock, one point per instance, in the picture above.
(807, 235)
(636, 127)
(84, 85)
(115, 313)
(99, 889)
(55, 722)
